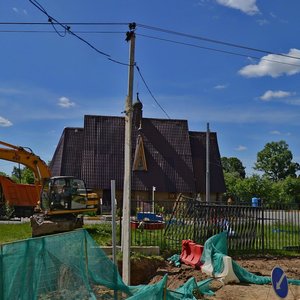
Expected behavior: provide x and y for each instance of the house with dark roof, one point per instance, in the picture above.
(165, 155)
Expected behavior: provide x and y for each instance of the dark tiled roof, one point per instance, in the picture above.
(67, 158)
(175, 162)
(198, 146)
(103, 154)
(168, 156)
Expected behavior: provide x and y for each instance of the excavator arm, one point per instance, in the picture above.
(27, 158)
(60, 200)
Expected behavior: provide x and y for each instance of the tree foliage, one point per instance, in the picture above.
(275, 160)
(234, 166)
(22, 175)
(285, 191)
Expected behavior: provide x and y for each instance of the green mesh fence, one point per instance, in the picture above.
(214, 250)
(72, 266)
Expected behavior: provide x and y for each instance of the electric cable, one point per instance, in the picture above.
(65, 23)
(51, 31)
(68, 29)
(213, 40)
(149, 27)
(218, 50)
(65, 27)
(63, 33)
(146, 85)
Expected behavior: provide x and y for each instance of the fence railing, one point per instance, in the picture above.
(249, 228)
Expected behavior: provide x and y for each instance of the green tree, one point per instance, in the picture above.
(231, 181)
(254, 186)
(242, 190)
(286, 191)
(275, 160)
(27, 176)
(16, 174)
(22, 175)
(233, 165)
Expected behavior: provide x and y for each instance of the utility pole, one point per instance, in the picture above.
(126, 236)
(207, 165)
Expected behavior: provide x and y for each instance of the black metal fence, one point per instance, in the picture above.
(249, 228)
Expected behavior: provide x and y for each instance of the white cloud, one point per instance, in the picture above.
(268, 95)
(17, 11)
(262, 22)
(65, 102)
(11, 91)
(241, 148)
(293, 101)
(247, 6)
(275, 132)
(5, 123)
(221, 86)
(237, 114)
(274, 65)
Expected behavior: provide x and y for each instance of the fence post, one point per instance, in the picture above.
(2, 272)
(194, 220)
(262, 227)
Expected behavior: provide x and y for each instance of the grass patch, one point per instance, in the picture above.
(14, 232)
(101, 233)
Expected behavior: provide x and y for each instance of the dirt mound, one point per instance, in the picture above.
(262, 266)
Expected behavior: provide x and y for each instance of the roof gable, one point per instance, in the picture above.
(198, 146)
(175, 159)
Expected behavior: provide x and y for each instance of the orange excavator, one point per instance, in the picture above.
(55, 204)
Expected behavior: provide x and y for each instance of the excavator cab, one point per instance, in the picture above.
(64, 200)
(63, 193)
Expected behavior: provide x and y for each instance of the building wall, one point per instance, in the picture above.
(142, 200)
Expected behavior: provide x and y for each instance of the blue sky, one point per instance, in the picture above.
(50, 81)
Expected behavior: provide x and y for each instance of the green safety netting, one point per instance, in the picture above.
(215, 248)
(72, 266)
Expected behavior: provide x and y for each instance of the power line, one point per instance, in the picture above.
(61, 33)
(66, 23)
(213, 40)
(146, 85)
(51, 31)
(149, 27)
(217, 50)
(65, 27)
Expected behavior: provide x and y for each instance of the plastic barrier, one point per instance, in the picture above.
(185, 249)
(228, 275)
(197, 250)
(191, 253)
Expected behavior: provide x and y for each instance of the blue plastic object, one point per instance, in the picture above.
(255, 202)
(149, 216)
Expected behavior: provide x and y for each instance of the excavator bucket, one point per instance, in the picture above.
(44, 225)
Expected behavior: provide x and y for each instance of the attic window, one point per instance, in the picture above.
(139, 163)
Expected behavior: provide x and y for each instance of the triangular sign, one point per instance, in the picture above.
(139, 163)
